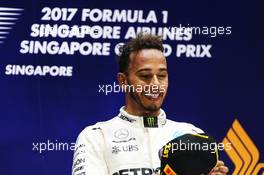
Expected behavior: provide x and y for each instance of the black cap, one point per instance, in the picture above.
(189, 154)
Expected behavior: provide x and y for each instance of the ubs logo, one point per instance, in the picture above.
(124, 148)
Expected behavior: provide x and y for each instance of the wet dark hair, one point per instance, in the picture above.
(142, 41)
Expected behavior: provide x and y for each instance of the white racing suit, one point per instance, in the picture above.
(125, 145)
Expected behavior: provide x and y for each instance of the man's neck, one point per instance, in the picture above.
(140, 112)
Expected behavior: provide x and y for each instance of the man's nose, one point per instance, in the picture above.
(155, 80)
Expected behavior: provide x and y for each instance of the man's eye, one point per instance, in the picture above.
(145, 76)
(162, 75)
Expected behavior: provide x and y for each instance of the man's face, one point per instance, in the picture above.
(148, 70)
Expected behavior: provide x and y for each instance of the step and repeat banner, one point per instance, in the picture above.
(58, 70)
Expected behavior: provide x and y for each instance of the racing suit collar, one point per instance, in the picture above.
(143, 121)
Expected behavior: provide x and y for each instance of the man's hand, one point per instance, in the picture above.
(220, 169)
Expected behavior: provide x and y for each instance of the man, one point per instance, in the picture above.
(129, 143)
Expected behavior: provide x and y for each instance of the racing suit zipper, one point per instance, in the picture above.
(150, 150)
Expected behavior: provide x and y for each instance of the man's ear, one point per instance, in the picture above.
(121, 78)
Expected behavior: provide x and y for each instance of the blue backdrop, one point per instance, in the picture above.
(210, 92)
